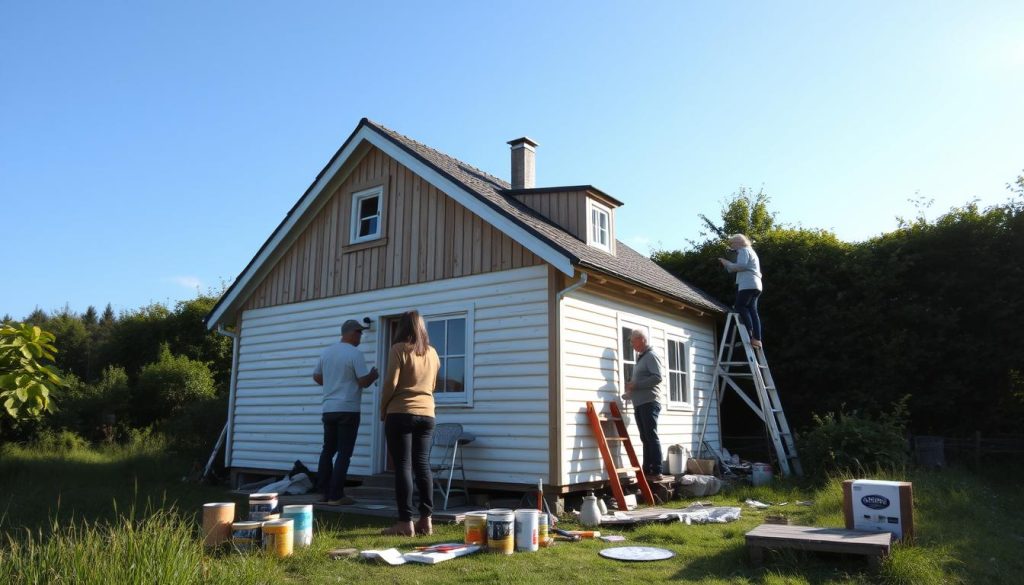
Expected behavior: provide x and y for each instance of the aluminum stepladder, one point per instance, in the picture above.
(614, 415)
(748, 368)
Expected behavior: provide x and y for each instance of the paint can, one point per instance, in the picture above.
(261, 506)
(760, 474)
(542, 529)
(500, 529)
(247, 536)
(476, 528)
(302, 517)
(217, 519)
(526, 529)
(278, 537)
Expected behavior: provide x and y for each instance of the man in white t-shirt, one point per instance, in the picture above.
(342, 373)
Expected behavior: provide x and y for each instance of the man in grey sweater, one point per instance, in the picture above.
(644, 389)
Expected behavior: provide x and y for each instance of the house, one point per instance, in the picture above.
(528, 296)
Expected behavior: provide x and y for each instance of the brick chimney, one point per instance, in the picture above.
(523, 163)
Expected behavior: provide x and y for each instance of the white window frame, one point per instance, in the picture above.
(593, 208)
(623, 362)
(464, 398)
(357, 198)
(686, 373)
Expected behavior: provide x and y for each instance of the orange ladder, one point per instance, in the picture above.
(614, 415)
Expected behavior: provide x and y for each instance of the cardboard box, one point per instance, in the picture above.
(881, 506)
(700, 466)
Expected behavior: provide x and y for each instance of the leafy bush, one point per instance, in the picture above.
(855, 442)
(194, 428)
(59, 442)
(168, 385)
(88, 409)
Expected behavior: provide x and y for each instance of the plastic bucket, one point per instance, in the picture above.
(261, 506)
(217, 519)
(247, 536)
(760, 474)
(676, 460)
(526, 529)
(500, 528)
(278, 537)
(476, 528)
(301, 516)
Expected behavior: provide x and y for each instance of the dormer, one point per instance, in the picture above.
(584, 211)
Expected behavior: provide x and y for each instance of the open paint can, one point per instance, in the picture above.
(247, 536)
(302, 517)
(278, 537)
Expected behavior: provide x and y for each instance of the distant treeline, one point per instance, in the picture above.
(151, 367)
(933, 310)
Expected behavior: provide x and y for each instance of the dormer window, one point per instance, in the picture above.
(599, 232)
(366, 208)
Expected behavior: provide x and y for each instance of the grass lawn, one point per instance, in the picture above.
(125, 516)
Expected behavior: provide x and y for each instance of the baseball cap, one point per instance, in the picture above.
(352, 325)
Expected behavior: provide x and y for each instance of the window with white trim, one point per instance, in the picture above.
(599, 232)
(678, 371)
(450, 336)
(366, 215)
(628, 356)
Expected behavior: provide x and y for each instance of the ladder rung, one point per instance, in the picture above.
(606, 418)
(626, 469)
(620, 439)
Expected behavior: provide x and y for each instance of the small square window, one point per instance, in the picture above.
(599, 232)
(366, 215)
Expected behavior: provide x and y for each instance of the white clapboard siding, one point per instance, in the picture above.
(592, 371)
(276, 417)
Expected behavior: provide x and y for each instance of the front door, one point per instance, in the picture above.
(390, 326)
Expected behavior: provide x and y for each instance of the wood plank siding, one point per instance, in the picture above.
(568, 209)
(426, 236)
(592, 361)
(277, 405)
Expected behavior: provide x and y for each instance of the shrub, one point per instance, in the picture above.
(194, 428)
(85, 407)
(855, 442)
(168, 385)
(59, 442)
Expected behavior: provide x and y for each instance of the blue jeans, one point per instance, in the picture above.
(340, 430)
(646, 416)
(746, 306)
(409, 437)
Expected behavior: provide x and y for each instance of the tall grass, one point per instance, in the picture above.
(160, 548)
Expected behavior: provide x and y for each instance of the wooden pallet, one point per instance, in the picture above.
(873, 545)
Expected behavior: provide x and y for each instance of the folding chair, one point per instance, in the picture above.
(446, 459)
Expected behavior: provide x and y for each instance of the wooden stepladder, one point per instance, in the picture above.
(738, 368)
(614, 416)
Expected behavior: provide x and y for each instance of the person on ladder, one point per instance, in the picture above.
(747, 268)
(644, 389)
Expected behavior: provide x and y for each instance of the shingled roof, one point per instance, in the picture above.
(627, 264)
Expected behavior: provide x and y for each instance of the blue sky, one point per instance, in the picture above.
(148, 149)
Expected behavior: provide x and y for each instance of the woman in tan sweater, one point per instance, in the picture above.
(407, 409)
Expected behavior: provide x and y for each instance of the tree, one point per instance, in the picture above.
(26, 384)
(168, 385)
(745, 212)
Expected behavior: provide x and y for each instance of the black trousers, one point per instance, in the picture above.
(340, 430)
(409, 438)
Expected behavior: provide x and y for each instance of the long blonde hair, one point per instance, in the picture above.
(413, 331)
